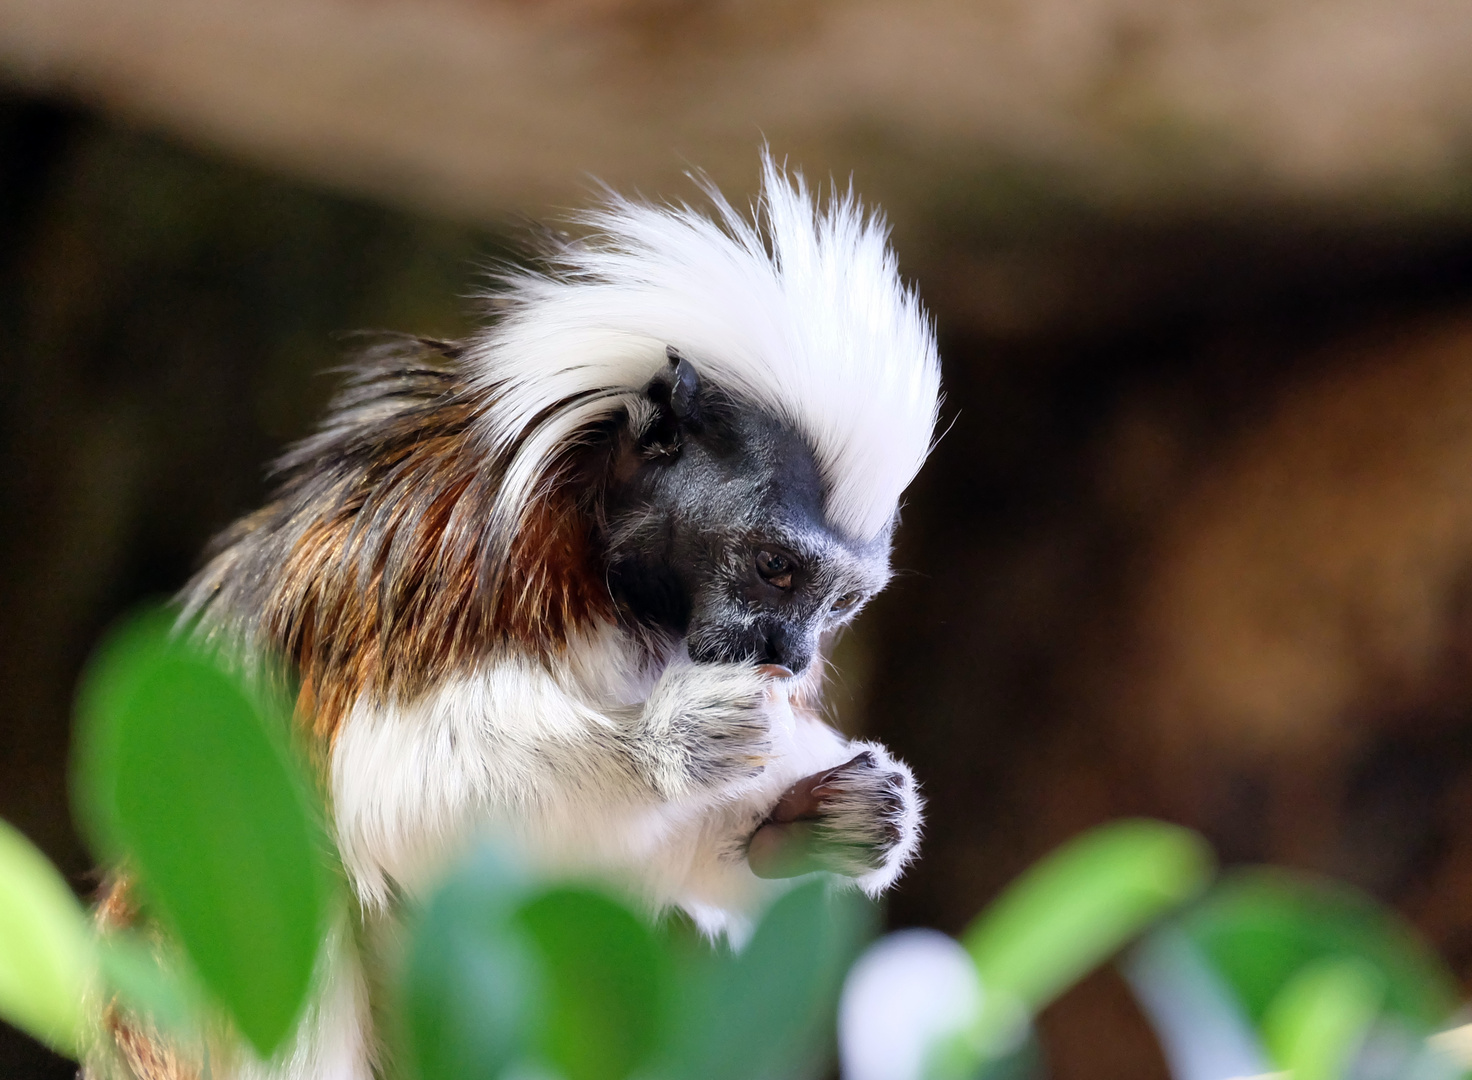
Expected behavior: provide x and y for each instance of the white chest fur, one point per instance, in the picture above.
(533, 753)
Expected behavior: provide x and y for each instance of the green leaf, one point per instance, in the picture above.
(46, 956)
(1317, 1023)
(149, 986)
(1074, 909)
(770, 1010)
(473, 997)
(181, 774)
(606, 979)
(1259, 928)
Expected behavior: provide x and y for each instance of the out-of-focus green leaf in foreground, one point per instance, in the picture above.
(473, 994)
(46, 956)
(1072, 911)
(150, 985)
(607, 983)
(1317, 1023)
(1318, 969)
(769, 1010)
(1260, 928)
(503, 979)
(181, 771)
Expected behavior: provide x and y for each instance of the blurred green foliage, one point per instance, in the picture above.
(1260, 927)
(44, 947)
(1319, 1019)
(473, 997)
(1323, 971)
(607, 980)
(1074, 910)
(186, 774)
(767, 1011)
(509, 976)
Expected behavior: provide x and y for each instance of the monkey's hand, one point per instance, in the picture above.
(860, 819)
(704, 726)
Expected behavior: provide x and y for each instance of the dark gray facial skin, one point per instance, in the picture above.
(716, 531)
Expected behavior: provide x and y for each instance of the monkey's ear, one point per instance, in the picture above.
(675, 395)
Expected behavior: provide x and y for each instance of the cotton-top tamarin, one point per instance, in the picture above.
(569, 581)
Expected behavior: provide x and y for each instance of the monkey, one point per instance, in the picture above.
(571, 580)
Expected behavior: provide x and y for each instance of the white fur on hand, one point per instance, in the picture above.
(860, 820)
(705, 725)
(873, 816)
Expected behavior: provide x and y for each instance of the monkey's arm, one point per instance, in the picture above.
(642, 787)
(705, 725)
(712, 724)
(516, 748)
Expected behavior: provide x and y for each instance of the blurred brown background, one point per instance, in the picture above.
(1198, 543)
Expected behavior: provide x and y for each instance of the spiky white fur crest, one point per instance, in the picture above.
(799, 309)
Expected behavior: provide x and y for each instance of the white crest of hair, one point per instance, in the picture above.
(799, 309)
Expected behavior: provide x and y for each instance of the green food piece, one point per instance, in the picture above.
(181, 774)
(1073, 910)
(46, 951)
(607, 983)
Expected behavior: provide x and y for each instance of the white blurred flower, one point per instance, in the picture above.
(907, 992)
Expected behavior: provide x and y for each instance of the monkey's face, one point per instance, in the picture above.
(717, 532)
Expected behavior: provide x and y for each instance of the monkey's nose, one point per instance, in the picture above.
(782, 649)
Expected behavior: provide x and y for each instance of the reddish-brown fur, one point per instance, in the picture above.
(136, 1044)
(146, 1053)
(436, 611)
(375, 572)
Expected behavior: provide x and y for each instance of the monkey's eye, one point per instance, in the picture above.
(775, 568)
(846, 601)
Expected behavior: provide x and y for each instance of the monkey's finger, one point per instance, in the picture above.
(782, 851)
(804, 800)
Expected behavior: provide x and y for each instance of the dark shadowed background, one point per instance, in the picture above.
(1197, 543)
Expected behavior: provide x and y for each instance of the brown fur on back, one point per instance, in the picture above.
(372, 570)
(129, 1047)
